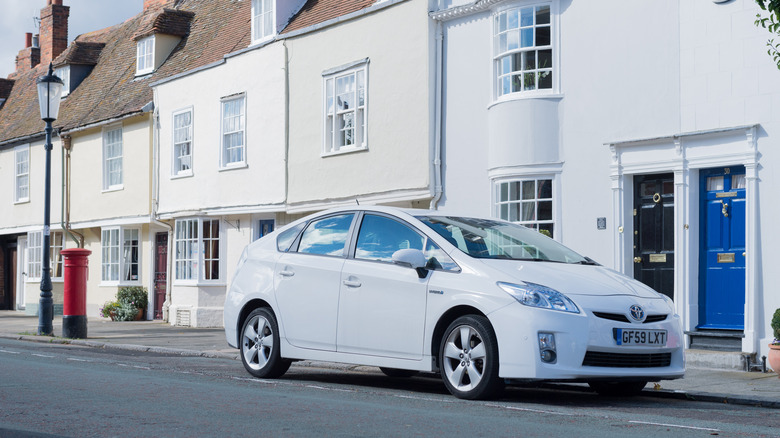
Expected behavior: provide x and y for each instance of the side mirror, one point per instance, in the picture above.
(412, 258)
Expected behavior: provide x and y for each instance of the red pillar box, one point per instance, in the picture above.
(74, 312)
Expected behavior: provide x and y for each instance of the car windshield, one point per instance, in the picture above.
(492, 239)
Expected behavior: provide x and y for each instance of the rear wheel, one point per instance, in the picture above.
(622, 389)
(396, 372)
(260, 345)
(469, 358)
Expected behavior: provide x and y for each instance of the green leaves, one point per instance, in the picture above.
(771, 24)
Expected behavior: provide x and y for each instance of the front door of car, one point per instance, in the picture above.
(307, 282)
(382, 305)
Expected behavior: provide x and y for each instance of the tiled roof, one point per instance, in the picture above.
(318, 11)
(80, 52)
(166, 21)
(112, 90)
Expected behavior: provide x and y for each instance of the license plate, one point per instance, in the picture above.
(655, 338)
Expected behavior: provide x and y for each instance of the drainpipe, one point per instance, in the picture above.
(155, 205)
(437, 109)
(65, 204)
(286, 123)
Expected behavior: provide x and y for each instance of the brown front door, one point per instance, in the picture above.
(160, 273)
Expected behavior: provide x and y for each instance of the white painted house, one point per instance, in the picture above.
(643, 134)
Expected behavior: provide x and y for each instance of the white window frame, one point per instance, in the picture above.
(35, 255)
(263, 20)
(177, 159)
(498, 202)
(64, 74)
(190, 252)
(113, 159)
(332, 143)
(22, 174)
(498, 57)
(227, 128)
(144, 56)
(116, 256)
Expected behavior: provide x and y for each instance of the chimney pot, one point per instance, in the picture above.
(36, 40)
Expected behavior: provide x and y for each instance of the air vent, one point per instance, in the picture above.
(183, 317)
(619, 317)
(619, 360)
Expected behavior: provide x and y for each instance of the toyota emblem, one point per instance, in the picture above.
(637, 313)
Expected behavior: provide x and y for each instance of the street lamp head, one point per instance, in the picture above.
(49, 94)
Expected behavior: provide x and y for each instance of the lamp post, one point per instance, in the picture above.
(49, 94)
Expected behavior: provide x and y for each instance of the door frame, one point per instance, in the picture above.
(685, 154)
(21, 275)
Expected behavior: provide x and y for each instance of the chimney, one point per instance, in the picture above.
(28, 57)
(54, 30)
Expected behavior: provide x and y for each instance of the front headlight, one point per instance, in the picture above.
(536, 295)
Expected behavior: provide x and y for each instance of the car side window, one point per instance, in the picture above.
(381, 236)
(326, 236)
(438, 259)
(287, 237)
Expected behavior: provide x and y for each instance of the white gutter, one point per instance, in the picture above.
(437, 109)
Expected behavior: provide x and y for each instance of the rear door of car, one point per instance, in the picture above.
(307, 282)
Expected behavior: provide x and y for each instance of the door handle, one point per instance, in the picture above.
(637, 259)
(725, 209)
(286, 273)
(349, 283)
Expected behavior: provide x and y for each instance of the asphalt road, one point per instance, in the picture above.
(73, 391)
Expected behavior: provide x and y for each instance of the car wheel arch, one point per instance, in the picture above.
(246, 310)
(444, 321)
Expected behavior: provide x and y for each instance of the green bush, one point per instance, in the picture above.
(776, 325)
(108, 308)
(126, 312)
(134, 296)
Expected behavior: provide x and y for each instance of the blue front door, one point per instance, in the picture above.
(722, 249)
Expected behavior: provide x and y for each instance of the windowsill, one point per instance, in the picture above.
(262, 40)
(139, 74)
(344, 150)
(114, 189)
(22, 201)
(196, 283)
(234, 166)
(183, 175)
(38, 280)
(525, 96)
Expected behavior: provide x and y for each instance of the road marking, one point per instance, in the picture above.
(9, 352)
(426, 399)
(77, 360)
(41, 355)
(676, 425)
(536, 411)
(329, 389)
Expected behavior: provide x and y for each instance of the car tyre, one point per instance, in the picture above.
(260, 345)
(468, 358)
(397, 372)
(620, 389)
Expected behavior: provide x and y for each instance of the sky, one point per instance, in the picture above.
(85, 16)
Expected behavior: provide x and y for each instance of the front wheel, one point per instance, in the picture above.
(469, 358)
(620, 389)
(260, 345)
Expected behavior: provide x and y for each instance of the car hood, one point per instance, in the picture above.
(571, 279)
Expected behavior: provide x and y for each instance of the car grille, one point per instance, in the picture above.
(619, 317)
(622, 360)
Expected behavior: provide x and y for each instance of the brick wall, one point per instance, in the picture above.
(54, 30)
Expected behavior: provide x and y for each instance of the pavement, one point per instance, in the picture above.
(700, 383)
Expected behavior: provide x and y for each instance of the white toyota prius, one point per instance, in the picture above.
(481, 301)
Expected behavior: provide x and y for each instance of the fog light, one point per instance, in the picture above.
(547, 347)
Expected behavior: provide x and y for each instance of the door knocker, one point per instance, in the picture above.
(725, 209)
(656, 198)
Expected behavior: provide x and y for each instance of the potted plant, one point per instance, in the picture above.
(130, 304)
(774, 347)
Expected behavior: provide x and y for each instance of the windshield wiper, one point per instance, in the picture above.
(589, 261)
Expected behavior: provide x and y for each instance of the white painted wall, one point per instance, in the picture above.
(396, 166)
(260, 75)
